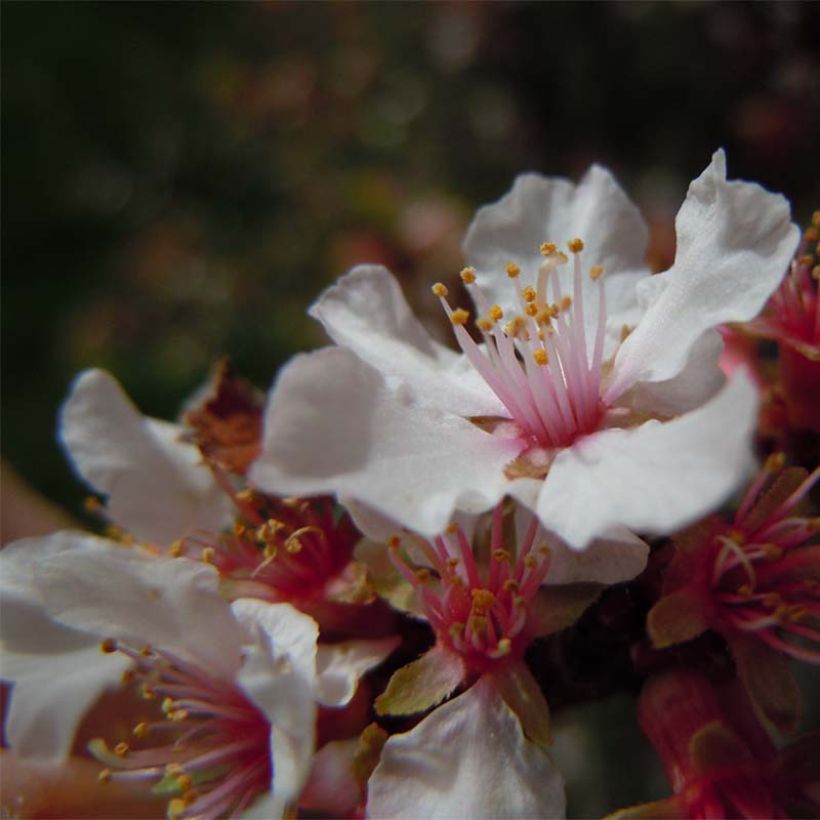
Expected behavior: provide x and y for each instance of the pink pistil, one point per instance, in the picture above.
(213, 750)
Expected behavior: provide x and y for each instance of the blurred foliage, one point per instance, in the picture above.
(180, 180)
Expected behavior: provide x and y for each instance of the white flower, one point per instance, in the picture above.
(158, 489)
(240, 681)
(595, 399)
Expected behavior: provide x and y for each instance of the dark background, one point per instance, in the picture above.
(179, 180)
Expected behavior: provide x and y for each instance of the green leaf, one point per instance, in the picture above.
(422, 684)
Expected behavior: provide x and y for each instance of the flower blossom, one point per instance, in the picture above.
(593, 396)
(717, 757)
(480, 587)
(239, 684)
(755, 581)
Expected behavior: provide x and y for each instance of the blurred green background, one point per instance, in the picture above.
(181, 179)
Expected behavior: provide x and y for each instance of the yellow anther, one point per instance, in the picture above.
(501, 556)
(456, 630)
(393, 542)
(239, 530)
(529, 294)
(452, 563)
(484, 325)
(468, 276)
(562, 258)
(548, 248)
(745, 591)
(544, 550)
(775, 462)
(625, 331)
(173, 770)
(519, 601)
(576, 245)
(540, 356)
(496, 313)
(530, 562)
(108, 646)
(483, 599)
(128, 677)
(566, 302)
(456, 581)
(185, 782)
(738, 536)
(168, 706)
(104, 776)
(453, 527)
(504, 647)
(176, 808)
(811, 234)
(512, 270)
(423, 574)
(772, 552)
(440, 290)
(176, 549)
(93, 504)
(544, 316)
(460, 316)
(595, 272)
(510, 585)
(140, 730)
(531, 309)
(208, 555)
(479, 623)
(121, 749)
(245, 495)
(179, 715)
(515, 326)
(807, 259)
(293, 545)
(270, 551)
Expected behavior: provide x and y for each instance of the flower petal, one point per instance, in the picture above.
(47, 662)
(735, 242)
(117, 592)
(340, 665)
(375, 444)
(539, 209)
(468, 758)
(653, 478)
(158, 489)
(366, 312)
(279, 675)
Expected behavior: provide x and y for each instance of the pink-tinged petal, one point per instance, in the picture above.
(467, 759)
(653, 478)
(539, 209)
(373, 442)
(340, 666)
(366, 312)
(157, 487)
(118, 592)
(333, 787)
(735, 241)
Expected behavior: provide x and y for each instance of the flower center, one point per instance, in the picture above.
(764, 571)
(279, 548)
(212, 752)
(479, 611)
(537, 360)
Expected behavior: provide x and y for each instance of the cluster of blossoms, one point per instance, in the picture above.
(325, 603)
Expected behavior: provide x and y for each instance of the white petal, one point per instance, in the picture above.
(468, 758)
(340, 665)
(653, 478)
(615, 557)
(117, 592)
(158, 490)
(375, 444)
(734, 243)
(540, 209)
(699, 381)
(366, 312)
(278, 674)
(58, 673)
